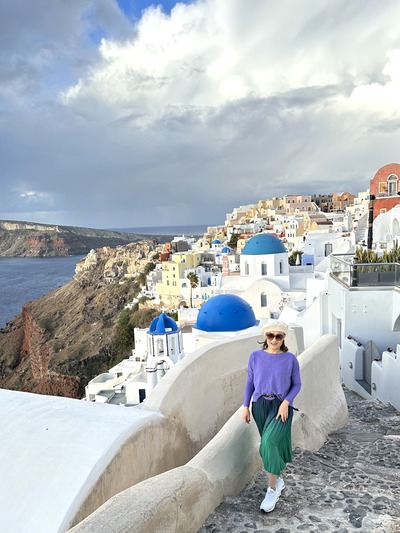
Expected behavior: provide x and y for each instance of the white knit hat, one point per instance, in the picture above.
(275, 325)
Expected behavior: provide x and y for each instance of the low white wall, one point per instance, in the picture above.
(321, 401)
(195, 399)
(182, 498)
(205, 389)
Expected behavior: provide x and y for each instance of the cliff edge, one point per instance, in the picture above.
(65, 338)
(28, 239)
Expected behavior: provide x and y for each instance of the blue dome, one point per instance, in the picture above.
(263, 244)
(225, 312)
(226, 250)
(162, 325)
(216, 241)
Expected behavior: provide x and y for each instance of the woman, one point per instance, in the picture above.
(273, 381)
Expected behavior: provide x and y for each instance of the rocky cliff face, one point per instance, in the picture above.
(20, 239)
(64, 339)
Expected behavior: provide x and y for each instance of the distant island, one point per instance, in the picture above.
(30, 239)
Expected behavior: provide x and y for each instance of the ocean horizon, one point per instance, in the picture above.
(189, 230)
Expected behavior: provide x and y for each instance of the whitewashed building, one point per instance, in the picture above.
(157, 349)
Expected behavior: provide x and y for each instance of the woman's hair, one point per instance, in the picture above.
(284, 348)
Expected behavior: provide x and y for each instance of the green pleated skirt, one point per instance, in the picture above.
(276, 436)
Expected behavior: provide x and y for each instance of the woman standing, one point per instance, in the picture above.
(273, 381)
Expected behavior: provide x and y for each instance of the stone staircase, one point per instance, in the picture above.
(352, 484)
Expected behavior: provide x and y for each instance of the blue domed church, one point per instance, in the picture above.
(264, 274)
(264, 255)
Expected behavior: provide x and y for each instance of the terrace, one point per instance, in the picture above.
(346, 269)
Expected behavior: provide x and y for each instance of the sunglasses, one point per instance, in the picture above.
(278, 337)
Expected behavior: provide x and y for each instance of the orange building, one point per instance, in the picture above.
(341, 201)
(386, 188)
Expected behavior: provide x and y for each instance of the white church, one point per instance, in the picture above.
(157, 350)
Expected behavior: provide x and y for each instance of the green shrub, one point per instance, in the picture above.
(124, 340)
(47, 324)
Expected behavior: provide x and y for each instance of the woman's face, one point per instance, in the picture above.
(274, 339)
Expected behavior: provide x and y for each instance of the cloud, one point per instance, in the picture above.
(178, 117)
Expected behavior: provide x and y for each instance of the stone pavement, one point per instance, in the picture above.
(351, 484)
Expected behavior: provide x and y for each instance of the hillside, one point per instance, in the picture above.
(27, 239)
(62, 340)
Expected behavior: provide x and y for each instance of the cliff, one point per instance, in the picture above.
(22, 239)
(62, 340)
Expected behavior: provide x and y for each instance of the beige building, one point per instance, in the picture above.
(299, 204)
(169, 289)
(316, 222)
(294, 230)
(238, 215)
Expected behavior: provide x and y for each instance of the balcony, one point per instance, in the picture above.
(364, 274)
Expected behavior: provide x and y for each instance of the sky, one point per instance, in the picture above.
(117, 114)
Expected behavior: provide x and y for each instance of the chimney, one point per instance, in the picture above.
(370, 221)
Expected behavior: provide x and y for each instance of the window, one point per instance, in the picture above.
(280, 267)
(392, 184)
(383, 187)
(246, 269)
(142, 395)
(263, 268)
(383, 210)
(263, 299)
(160, 346)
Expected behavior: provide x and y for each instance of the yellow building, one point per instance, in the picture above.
(316, 222)
(169, 289)
(264, 209)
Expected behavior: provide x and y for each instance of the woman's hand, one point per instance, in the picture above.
(246, 414)
(283, 411)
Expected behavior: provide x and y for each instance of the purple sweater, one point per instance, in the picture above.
(270, 373)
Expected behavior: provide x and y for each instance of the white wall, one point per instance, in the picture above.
(385, 377)
(273, 262)
(101, 450)
(252, 295)
(385, 373)
(181, 499)
(193, 400)
(367, 313)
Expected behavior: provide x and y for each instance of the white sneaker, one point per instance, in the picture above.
(280, 485)
(268, 503)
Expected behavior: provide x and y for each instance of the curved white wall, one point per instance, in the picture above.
(64, 458)
(182, 498)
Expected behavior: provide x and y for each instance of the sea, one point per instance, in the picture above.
(23, 279)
